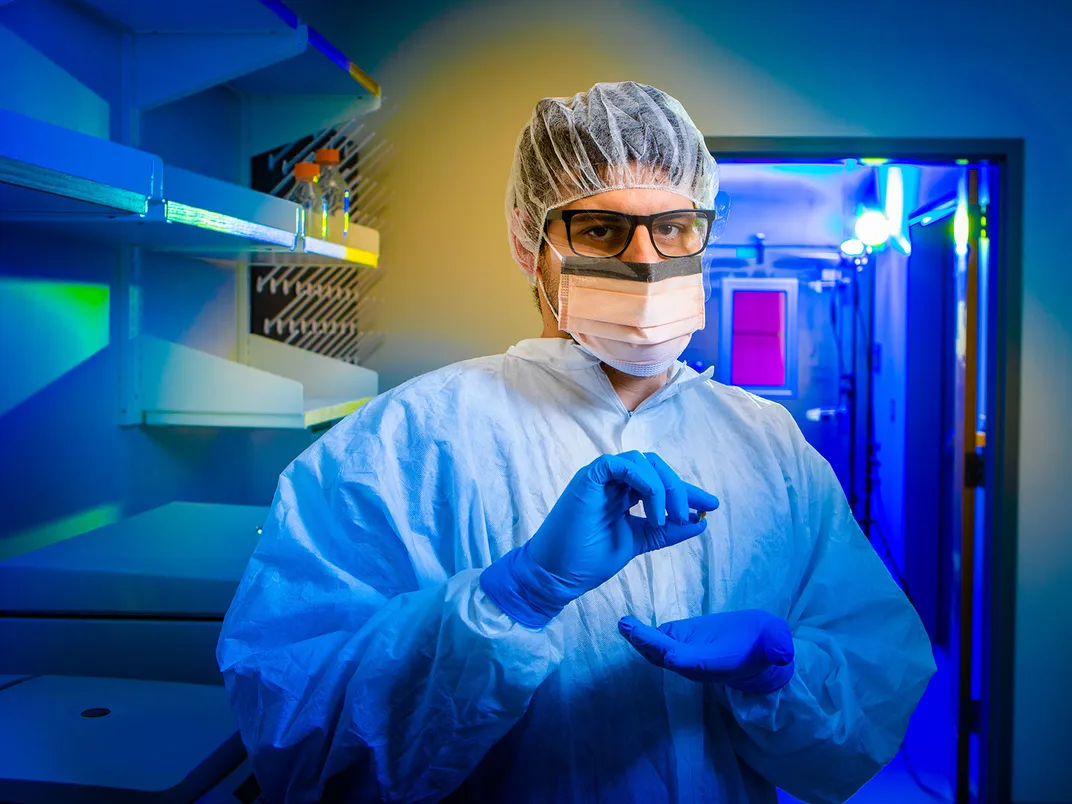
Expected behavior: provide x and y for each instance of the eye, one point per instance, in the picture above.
(596, 232)
(679, 228)
(595, 228)
(669, 231)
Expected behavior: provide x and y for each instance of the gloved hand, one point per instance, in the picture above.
(750, 650)
(589, 535)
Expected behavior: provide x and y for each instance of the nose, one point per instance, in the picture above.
(641, 248)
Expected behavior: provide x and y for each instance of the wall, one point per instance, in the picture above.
(69, 103)
(460, 84)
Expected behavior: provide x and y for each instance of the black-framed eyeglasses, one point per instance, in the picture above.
(607, 233)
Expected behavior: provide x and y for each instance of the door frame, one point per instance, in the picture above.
(1004, 304)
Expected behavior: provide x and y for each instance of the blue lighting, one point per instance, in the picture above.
(852, 248)
(894, 206)
(960, 229)
(872, 228)
(961, 225)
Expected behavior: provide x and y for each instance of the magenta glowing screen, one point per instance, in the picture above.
(759, 324)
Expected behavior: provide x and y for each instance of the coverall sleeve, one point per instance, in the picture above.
(863, 658)
(359, 667)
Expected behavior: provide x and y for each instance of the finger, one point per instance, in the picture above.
(648, 536)
(677, 499)
(614, 468)
(721, 644)
(769, 680)
(690, 663)
(655, 501)
(676, 534)
(711, 660)
(699, 499)
(653, 645)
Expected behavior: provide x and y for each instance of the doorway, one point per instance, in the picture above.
(873, 287)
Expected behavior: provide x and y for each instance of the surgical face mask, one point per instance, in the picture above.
(635, 317)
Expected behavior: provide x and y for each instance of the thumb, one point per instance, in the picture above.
(778, 643)
(649, 642)
(649, 536)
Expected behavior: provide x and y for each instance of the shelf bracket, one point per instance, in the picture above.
(172, 66)
(126, 329)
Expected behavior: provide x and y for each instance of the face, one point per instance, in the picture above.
(632, 201)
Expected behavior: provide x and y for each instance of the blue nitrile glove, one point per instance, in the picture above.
(750, 650)
(589, 535)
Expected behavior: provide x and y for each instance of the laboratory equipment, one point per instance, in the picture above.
(872, 228)
(312, 307)
(336, 194)
(308, 196)
(758, 335)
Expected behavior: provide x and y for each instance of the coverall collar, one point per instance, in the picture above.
(563, 356)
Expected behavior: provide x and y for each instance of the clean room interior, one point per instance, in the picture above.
(847, 327)
(177, 334)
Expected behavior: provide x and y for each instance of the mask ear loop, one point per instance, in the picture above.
(543, 295)
(539, 277)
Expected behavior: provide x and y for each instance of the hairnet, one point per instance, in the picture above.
(612, 137)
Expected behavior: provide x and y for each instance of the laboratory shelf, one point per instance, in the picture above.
(254, 46)
(181, 559)
(75, 185)
(333, 389)
(324, 69)
(211, 216)
(191, 16)
(362, 248)
(83, 186)
(143, 597)
(325, 252)
(316, 250)
(282, 387)
(51, 173)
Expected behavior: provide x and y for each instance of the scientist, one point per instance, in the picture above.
(579, 571)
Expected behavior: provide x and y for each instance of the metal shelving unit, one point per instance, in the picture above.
(258, 47)
(57, 181)
(81, 186)
(282, 387)
(156, 585)
(44, 179)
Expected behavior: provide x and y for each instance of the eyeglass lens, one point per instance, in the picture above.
(604, 234)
